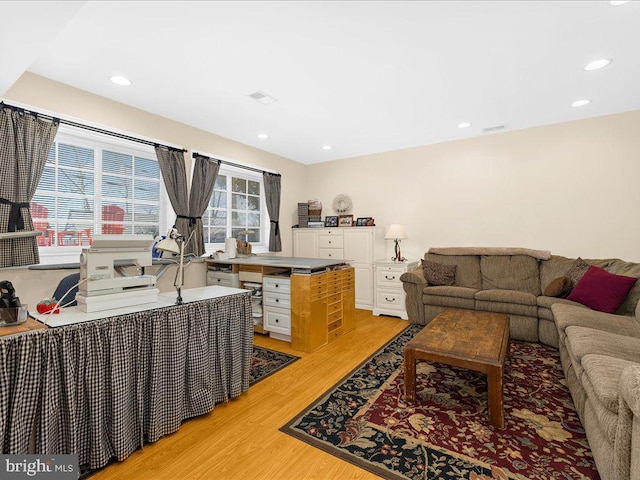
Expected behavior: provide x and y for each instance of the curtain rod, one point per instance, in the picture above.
(231, 164)
(88, 127)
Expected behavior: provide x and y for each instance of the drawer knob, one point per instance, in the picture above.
(389, 300)
(277, 285)
(277, 320)
(277, 300)
(390, 278)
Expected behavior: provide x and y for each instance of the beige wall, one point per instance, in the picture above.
(572, 188)
(41, 93)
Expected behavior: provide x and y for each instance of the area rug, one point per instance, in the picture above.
(446, 434)
(266, 362)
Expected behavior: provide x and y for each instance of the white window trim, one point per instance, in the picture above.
(89, 139)
(265, 220)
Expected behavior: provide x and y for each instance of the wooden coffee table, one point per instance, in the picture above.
(467, 339)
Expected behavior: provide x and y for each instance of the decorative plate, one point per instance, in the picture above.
(342, 203)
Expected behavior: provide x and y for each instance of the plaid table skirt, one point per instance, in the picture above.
(101, 389)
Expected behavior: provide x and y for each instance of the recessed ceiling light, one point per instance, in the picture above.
(617, 3)
(326, 147)
(263, 136)
(464, 125)
(596, 64)
(581, 103)
(262, 97)
(120, 80)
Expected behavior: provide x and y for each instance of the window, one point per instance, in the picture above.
(96, 184)
(237, 205)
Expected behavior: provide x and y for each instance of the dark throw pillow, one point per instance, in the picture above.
(439, 274)
(560, 287)
(577, 270)
(601, 290)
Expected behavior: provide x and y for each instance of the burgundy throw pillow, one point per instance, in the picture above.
(601, 290)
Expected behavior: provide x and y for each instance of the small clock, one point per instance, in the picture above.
(342, 203)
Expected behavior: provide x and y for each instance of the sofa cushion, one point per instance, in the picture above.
(577, 270)
(559, 287)
(450, 296)
(507, 296)
(515, 272)
(601, 290)
(568, 315)
(603, 373)
(467, 268)
(438, 273)
(602, 399)
(544, 305)
(589, 341)
(507, 308)
(557, 266)
(629, 269)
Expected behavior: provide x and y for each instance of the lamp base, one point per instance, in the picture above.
(398, 256)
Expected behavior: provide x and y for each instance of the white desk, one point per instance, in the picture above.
(72, 315)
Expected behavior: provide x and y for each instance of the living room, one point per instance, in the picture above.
(554, 177)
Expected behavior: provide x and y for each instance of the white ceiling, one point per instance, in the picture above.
(362, 76)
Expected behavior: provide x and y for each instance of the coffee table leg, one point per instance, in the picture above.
(496, 411)
(409, 376)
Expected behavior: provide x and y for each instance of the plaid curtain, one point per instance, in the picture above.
(272, 196)
(25, 142)
(174, 175)
(205, 171)
(99, 389)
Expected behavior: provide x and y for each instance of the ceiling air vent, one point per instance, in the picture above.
(262, 97)
(494, 128)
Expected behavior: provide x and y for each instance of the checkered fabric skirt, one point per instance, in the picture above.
(100, 389)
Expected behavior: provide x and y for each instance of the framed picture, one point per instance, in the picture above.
(362, 221)
(371, 222)
(330, 221)
(345, 220)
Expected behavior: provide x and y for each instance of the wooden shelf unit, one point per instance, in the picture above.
(322, 308)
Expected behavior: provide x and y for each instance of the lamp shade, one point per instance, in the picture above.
(395, 231)
(169, 244)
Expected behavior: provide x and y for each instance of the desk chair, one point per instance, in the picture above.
(65, 284)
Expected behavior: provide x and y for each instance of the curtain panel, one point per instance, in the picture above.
(174, 175)
(101, 389)
(205, 171)
(272, 190)
(25, 142)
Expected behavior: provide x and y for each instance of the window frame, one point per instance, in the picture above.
(99, 142)
(265, 221)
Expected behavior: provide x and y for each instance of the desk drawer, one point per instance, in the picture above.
(281, 300)
(330, 241)
(330, 253)
(390, 298)
(277, 320)
(387, 276)
(276, 284)
(223, 279)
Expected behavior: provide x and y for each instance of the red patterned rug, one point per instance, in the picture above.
(446, 434)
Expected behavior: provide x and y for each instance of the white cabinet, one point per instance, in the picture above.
(276, 301)
(389, 294)
(355, 244)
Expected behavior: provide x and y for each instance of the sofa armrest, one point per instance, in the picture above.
(626, 451)
(413, 283)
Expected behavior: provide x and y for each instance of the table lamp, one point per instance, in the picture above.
(174, 243)
(396, 233)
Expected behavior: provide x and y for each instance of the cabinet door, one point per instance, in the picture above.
(305, 243)
(364, 285)
(358, 245)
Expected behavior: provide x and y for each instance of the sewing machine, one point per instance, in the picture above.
(100, 289)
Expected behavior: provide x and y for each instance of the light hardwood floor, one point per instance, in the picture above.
(240, 439)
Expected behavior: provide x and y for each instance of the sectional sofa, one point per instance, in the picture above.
(600, 352)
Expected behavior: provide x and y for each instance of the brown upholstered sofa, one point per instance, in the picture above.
(600, 352)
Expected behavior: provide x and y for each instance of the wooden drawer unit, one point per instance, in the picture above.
(389, 294)
(320, 311)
